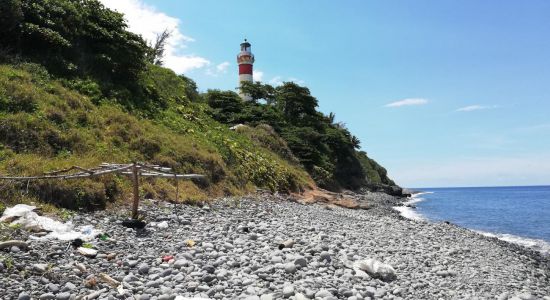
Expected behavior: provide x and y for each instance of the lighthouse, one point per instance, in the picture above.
(245, 59)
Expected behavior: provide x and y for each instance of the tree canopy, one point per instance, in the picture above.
(327, 150)
(72, 37)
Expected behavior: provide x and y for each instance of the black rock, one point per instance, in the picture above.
(136, 224)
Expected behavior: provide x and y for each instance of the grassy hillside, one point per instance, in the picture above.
(46, 124)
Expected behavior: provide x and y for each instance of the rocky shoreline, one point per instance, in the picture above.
(230, 249)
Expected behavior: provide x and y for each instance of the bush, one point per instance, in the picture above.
(72, 194)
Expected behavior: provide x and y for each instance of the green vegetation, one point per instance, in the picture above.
(60, 127)
(327, 150)
(76, 88)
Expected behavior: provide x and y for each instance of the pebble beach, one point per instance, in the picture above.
(233, 248)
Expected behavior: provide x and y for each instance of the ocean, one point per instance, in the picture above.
(519, 215)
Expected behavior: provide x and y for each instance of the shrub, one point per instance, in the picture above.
(72, 194)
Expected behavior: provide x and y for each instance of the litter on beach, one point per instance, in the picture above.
(25, 215)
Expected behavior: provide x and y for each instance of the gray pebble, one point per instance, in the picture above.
(63, 296)
(290, 268)
(24, 296)
(47, 296)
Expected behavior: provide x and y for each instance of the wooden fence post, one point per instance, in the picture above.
(135, 181)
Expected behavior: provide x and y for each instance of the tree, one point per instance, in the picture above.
(157, 50)
(296, 102)
(191, 90)
(226, 105)
(258, 91)
(73, 37)
(12, 15)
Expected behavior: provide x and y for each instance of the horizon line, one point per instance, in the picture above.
(466, 187)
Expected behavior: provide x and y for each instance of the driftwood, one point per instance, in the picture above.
(9, 244)
(109, 280)
(134, 170)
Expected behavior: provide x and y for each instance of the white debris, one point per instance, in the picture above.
(162, 225)
(236, 126)
(19, 210)
(375, 269)
(25, 216)
(87, 252)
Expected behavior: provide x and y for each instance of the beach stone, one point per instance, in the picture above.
(24, 296)
(300, 261)
(208, 278)
(69, 286)
(209, 269)
(503, 296)
(132, 263)
(130, 278)
(276, 259)
(40, 268)
(290, 268)
(323, 294)
(325, 256)
(63, 296)
(47, 296)
(288, 290)
(300, 296)
(143, 268)
(180, 263)
(526, 296)
(54, 288)
(208, 245)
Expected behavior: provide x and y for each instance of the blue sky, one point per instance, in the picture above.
(441, 93)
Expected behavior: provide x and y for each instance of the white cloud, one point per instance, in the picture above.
(258, 75)
(297, 81)
(148, 22)
(476, 107)
(222, 68)
(277, 80)
(219, 69)
(407, 102)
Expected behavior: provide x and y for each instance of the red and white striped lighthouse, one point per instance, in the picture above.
(245, 59)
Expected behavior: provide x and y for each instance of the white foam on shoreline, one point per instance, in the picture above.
(538, 245)
(541, 246)
(411, 213)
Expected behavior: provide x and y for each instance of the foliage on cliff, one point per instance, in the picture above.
(327, 150)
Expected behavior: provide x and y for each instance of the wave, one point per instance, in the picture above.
(409, 212)
(538, 245)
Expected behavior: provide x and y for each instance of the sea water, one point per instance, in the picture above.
(519, 215)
